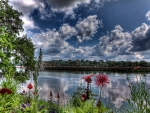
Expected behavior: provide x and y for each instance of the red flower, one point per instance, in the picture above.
(5, 90)
(87, 78)
(101, 80)
(30, 86)
(84, 97)
(137, 67)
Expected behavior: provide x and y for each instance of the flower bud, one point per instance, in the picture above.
(24, 91)
(0, 87)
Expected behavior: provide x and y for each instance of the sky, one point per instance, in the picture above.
(87, 29)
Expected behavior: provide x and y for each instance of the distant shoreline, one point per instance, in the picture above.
(97, 68)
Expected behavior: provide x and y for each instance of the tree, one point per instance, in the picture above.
(40, 62)
(13, 49)
(25, 50)
(9, 18)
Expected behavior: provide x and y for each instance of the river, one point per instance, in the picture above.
(66, 83)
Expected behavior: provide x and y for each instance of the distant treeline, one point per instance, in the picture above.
(96, 65)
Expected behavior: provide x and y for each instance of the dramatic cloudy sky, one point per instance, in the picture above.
(88, 29)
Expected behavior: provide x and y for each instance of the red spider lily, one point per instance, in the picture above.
(30, 86)
(87, 78)
(101, 80)
(5, 90)
(84, 97)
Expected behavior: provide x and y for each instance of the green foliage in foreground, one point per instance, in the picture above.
(9, 102)
(139, 101)
(86, 107)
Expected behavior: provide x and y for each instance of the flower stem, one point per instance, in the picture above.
(100, 92)
(29, 95)
(87, 90)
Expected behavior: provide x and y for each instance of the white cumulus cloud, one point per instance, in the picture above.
(28, 23)
(67, 31)
(148, 15)
(26, 7)
(66, 6)
(117, 43)
(54, 42)
(87, 28)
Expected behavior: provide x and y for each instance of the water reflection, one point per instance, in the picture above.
(67, 82)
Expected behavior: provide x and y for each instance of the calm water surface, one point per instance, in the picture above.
(67, 82)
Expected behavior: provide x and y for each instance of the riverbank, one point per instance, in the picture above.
(94, 68)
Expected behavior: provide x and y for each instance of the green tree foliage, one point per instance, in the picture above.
(25, 49)
(40, 62)
(5, 62)
(13, 49)
(9, 18)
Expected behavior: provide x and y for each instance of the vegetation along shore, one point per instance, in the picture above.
(86, 65)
